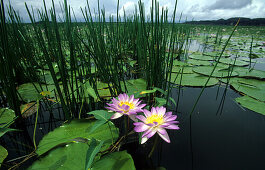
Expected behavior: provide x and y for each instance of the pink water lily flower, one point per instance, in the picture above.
(125, 105)
(155, 121)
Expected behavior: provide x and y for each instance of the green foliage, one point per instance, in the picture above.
(101, 115)
(92, 151)
(252, 104)
(113, 161)
(218, 72)
(77, 128)
(6, 116)
(3, 154)
(194, 79)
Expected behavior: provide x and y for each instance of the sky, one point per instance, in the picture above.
(190, 9)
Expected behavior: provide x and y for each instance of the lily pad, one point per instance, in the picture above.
(178, 69)
(198, 62)
(77, 128)
(231, 61)
(216, 54)
(134, 86)
(117, 160)
(28, 109)
(245, 72)
(251, 87)
(179, 63)
(194, 79)
(218, 72)
(70, 156)
(29, 92)
(201, 57)
(3, 154)
(6, 116)
(252, 104)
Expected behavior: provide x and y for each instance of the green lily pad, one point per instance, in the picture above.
(231, 61)
(216, 54)
(70, 156)
(76, 129)
(6, 116)
(245, 72)
(198, 62)
(28, 109)
(3, 154)
(201, 57)
(251, 87)
(194, 79)
(178, 69)
(134, 86)
(218, 72)
(117, 160)
(29, 93)
(252, 104)
(179, 63)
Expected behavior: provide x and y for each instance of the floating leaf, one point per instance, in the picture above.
(252, 104)
(193, 80)
(3, 154)
(178, 69)
(134, 86)
(245, 72)
(231, 61)
(179, 63)
(101, 114)
(198, 62)
(251, 87)
(70, 156)
(218, 72)
(117, 160)
(201, 57)
(92, 151)
(77, 128)
(29, 93)
(6, 116)
(28, 109)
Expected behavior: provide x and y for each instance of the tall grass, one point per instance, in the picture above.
(98, 50)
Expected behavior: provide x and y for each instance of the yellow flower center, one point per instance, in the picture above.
(131, 105)
(155, 118)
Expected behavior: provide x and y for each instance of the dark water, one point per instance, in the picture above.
(233, 139)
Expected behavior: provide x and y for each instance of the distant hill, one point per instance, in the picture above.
(232, 21)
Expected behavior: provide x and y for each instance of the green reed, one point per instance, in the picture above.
(102, 44)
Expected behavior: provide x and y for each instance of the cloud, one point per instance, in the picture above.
(190, 9)
(230, 4)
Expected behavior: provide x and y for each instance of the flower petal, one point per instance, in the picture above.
(172, 127)
(147, 113)
(162, 131)
(141, 117)
(170, 118)
(144, 139)
(133, 118)
(141, 128)
(116, 115)
(131, 99)
(165, 136)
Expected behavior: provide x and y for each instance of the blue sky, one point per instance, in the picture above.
(191, 9)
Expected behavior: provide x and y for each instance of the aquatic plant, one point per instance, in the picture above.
(154, 122)
(125, 105)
